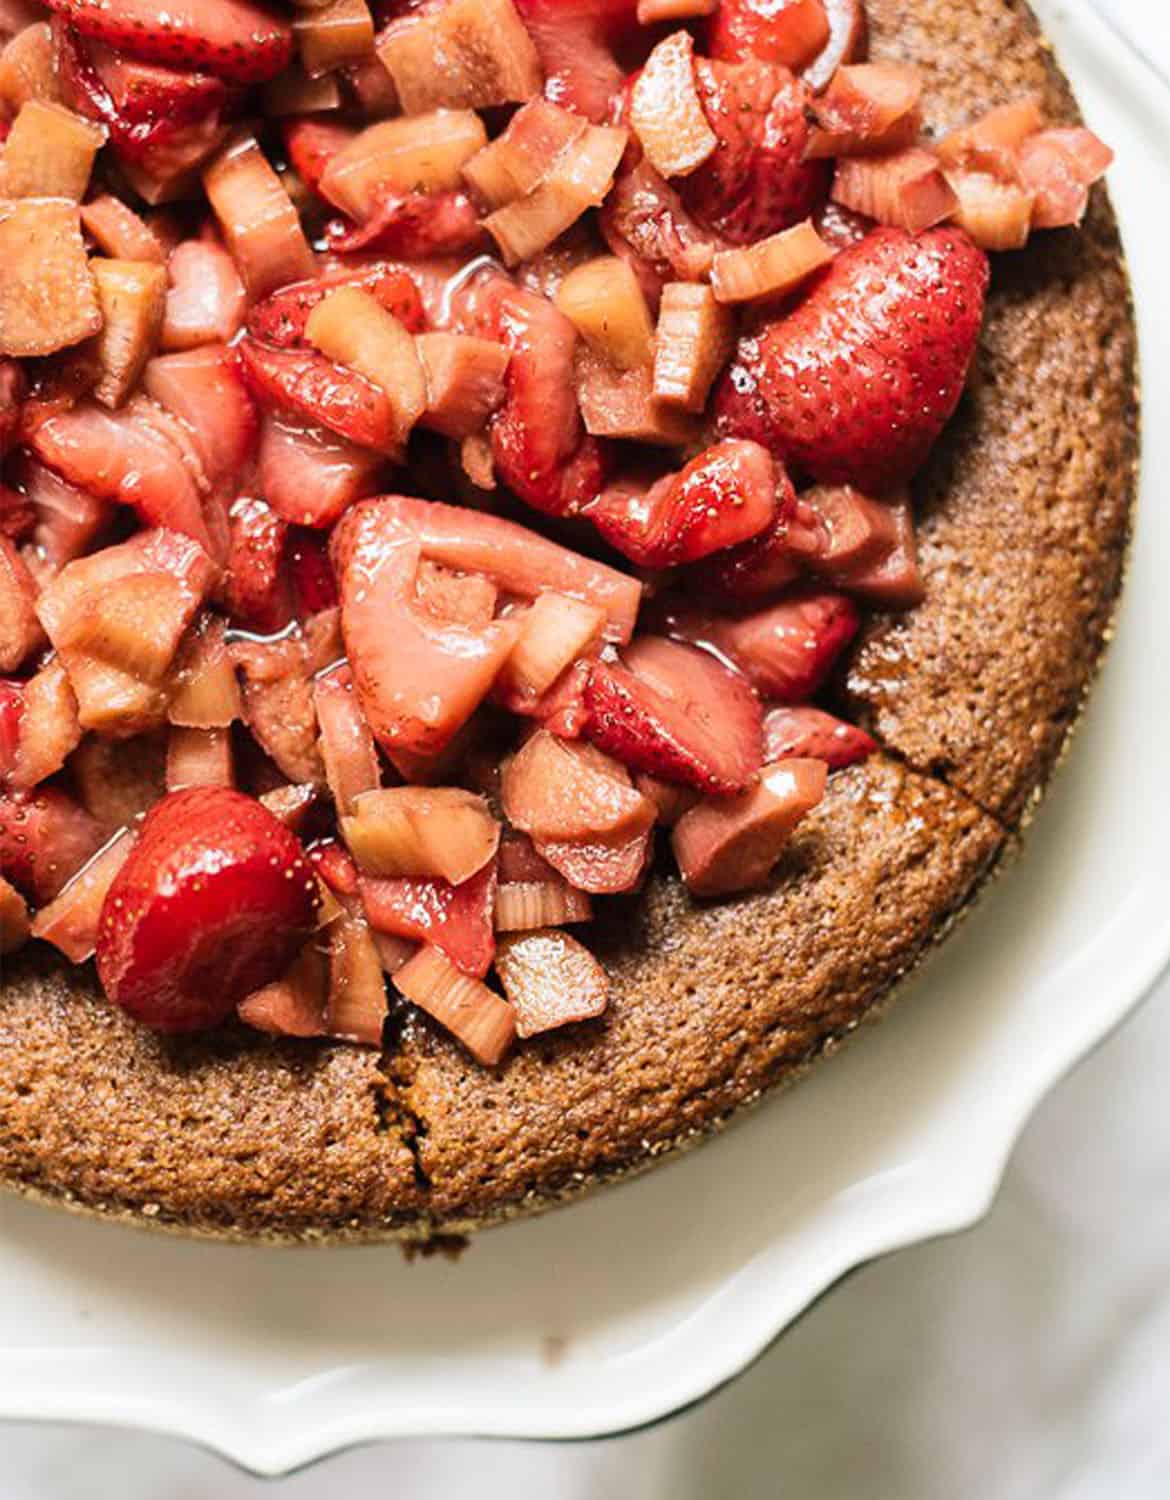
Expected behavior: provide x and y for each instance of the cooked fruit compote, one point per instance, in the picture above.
(444, 444)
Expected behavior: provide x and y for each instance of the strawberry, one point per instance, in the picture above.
(726, 495)
(785, 650)
(310, 476)
(215, 900)
(789, 32)
(311, 142)
(11, 715)
(233, 39)
(255, 583)
(676, 713)
(68, 519)
(855, 384)
(202, 387)
(457, 919)
(45, 838)
(810, 732)
(757, 181)
(313, 387)
(12, 393)
(768, 562)
(576, 40)
(18, 515)
(413, 226)
(280, 319)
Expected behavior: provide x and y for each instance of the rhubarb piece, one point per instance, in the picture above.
(670, 800)
(422, 154)
(851, 530)
(293, 92)
(724, 496)
(524, 905)
(475, 1015)
(651, 12)
(70, 921)
(257, 218)
(734, 844)
(352, 328)
(1059, 167)
(997, 215)
(281, 318)
(848, 42)
(347, 747)
(605, 303)
(869, 107)
(294, 1004)
(332, 35)
(132, 296)
(355, 1009)
(234, 39)
(291, 804)
(789, 32)
(118, 457)
(50, 152)
(49, 729)
(457, 919)
(694, 340)
(678, 714)
(441, 832)
(464, 381)
(306, 385)
(519, 159)
(618, 403)
(45, 838)
(666, 112)
(48, 299)
(310, 476)
(20, 631)
(578, 180)
(812, 734)
(989, 144)
(461, 54)
(785, 650)
(203, 389)
(771, 267)
(553, 634)
(550, 980)
(14, 923)
(279, 707)
(121, 233)
(894, 582)
(214, 902)
(27, 70)
(906, 189)
(564, 794)
(118, 780)
(855, 384)
(256, 587)
(199, 757)
(205, 300)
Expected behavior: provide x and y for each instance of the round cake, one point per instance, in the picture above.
(1023, 512)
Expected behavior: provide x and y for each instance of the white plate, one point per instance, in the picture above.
(646, 1297)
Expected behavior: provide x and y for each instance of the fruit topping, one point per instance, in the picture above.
(771, 267)
(578, 179)
(14, 923)
(666, 113)
(475, 1015)
(50, 153)
(347, 747)
(257, 218)
(550, 980)
(460, 54)
(904, 188)
(604, 301)
(205, 297)
(812, 734)
(20, 630)
(70, 921)
(45, 838)
(869, 107)
(790, 32)
(48, 297)
(132, 297)
(456, 919)
(694, 340)
(49, 730)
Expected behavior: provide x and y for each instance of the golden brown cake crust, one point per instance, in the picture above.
(1025, 520)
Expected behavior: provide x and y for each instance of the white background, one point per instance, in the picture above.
(1028, 1357)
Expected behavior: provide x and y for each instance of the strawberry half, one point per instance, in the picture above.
(678, 714)
(811, 733)
(45, 838)
(854, 385)
(215, 901)
(234, 39)
(313, 387)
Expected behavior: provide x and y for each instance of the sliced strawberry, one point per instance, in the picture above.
(280, 319)
(789, 32)
(770, 561)
(206, 298)
(676, 713)
(840, 228)
(12, 392)
(413, 226)
(256, 587)
(310, 476)
(68, 519)
(11, 717)
(203, 389)
(120, 456)
(310, 386)
(45, 838)
(757, 182)
(20, 630)
(215, 901)
(575, 40)
(786, 650)
(723, 497)
(70, 922)
(311, 143)
(234, 39)
(313, 584)
(457, 919)
(813, 734)
(855, 385)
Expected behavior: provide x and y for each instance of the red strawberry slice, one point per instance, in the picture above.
(786, 650)
(413, 226)
(457, 919)
(811, 732)
(11, 715)
(313, 584)
(757, 181)
(789, 32)
(575, 40)
(310, 476)
(281, 318)
(12, 393)
(678, 714)
(234, 39)
(307, 384)
(770, 561)
(202, 387)
(67, 518)
(256, 587)
(854, 385)
(45, 838)
(725, 496)
(312, 143)
(215, 901)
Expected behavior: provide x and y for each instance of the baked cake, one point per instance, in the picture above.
(582, 247)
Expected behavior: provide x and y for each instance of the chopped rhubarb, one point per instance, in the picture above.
(277, 683)
(1059, 167)
(257, 218)
(14, 923)
(550, 980)
(618, 403)
(464, 381)
(294, 1004)
(790, 32)
(45, 838)
(651, 12)
(989, 143)
(20, 630)
(70, 921)
(997, 215)
(461, 54)
(518, 160)
(771, 267)
(867, 107)
(695, 337)
(293, 92)
(27, 69)
(48, 299)
(281, 318)
(553, 634)
(356, 1006)
(132, 295)
(291, 804)
(441, 832)
(49, 728)
(457, 919)
(905, 188)
(811, 733)
(734, 844)
(846, 530)
(50, 153)
(475, 1015)
(119, 232)
(119, 780)
(670, 799)
(666, 112)
(893, 582)
(347, 747)
(424, 154)
(205, 299)
(332, 35)
(578, 180)
(204, 692)
(199, 757)
(604, 301)
(522, 905)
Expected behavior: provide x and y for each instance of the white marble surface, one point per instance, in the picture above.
(1028, 1357)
